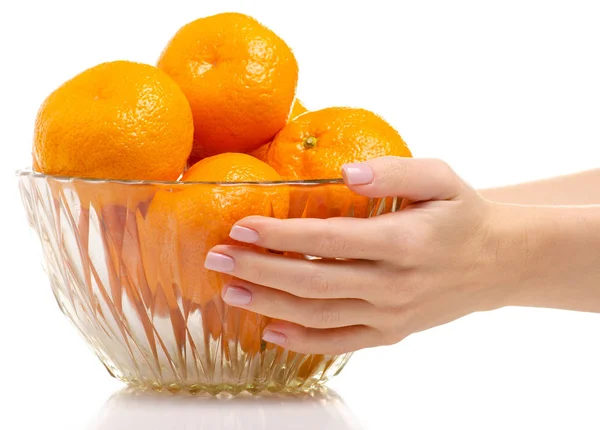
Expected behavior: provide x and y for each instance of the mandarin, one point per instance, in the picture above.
(239, 77)
(185, 221)
(316, 144)
(117, 120)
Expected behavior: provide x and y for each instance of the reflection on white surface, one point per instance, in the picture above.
(149, 411)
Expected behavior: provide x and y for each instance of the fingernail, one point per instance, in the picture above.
(357, 173)
(219, 262)
(243, 234)
(274, 337)
(236, 296)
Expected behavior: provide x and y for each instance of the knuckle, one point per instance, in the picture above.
(427, 235)
(389, 284)
(395, 171)
(440, 165)
(390, 232)
(408, 288)
(332, 242)
(445, 173)
(417, 250)
(415, 244)
(411, 288)
(391, 338)
(440, 169)
(403, 239)
(318, 285)
(389, 316)
(256, 275)
(325, 316)
(390, 334)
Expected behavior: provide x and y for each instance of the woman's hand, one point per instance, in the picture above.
(428, 264)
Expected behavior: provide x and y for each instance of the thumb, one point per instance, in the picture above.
(416, 179)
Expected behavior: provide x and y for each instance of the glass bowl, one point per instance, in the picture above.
(129, 274)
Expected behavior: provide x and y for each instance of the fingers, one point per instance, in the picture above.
(302, 278)
(416, 179)
(318, 341)
(312, 313)
(350, 238)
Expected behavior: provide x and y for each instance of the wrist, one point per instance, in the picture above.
(550, 256)
(505, 252)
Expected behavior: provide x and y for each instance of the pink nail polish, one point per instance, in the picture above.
(243, 234)
(219, 262)
(357, 173)
(237, 296)
(274, 337)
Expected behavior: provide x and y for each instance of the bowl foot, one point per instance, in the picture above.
(301, 387)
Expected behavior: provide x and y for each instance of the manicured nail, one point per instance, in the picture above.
(219, 262)
(274, 337)
(236, 296)
(243, 234)
(357, 173)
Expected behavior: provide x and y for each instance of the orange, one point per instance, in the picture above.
(297, 109)
(239, 77)
(185, 221)
(316, 144)
(118, 120)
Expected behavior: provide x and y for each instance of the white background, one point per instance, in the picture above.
(505, 91)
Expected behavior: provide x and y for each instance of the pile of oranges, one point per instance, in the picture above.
(224, 84)
(219, 106)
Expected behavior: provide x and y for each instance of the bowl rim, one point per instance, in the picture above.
(28, 172)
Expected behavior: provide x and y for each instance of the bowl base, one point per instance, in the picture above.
(300, 387)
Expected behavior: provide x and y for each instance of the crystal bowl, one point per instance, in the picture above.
(138, 292)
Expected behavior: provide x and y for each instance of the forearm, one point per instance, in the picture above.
(554, 253)
(576, 189)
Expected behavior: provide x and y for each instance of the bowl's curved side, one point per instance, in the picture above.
(136, 316)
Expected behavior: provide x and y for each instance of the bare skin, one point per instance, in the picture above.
(581, 188)
(450, 252)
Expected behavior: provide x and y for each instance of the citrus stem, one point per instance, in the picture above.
(310, 142)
